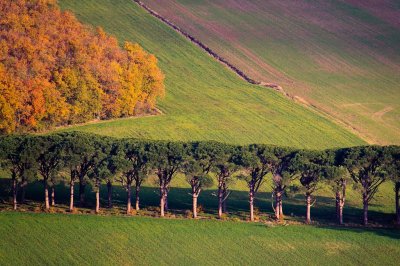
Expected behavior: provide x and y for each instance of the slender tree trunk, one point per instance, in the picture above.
(308, 202)
(46, 194)
(195, 206)
(128, 202)
(220, 198)
(277, 205)
(397, 203)
(71, 198)
(97, 196)
(251, 202)
(15, 192)
(341, 212)
(109, 194)
(166, 199)
(137, 190)
(280, 205)
(224, 205)
(53, 196)
(162, 202)
(365, 206)
(82, 187)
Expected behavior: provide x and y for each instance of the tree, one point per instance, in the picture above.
(166, 159)
(50, 162)
(196, 168)
(224, 168)
(311, 166)
(365, 165)
(56, 71)
(392, 167)
(254, 160)
(79, 159)
(278, 159)
(100, 170)
(19, 156)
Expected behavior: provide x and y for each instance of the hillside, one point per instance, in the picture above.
(204, 100)
(340, 56)
(82, 239)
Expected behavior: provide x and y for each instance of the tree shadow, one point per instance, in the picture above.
(180, 200)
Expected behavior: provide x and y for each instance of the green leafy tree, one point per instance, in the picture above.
(166, 159)
(392, 168)
(254, 162)
(50, 149)
(19, 157)
(79, 156)
(366, 168)
(100, 170)
(278, 163)
(311, 167)
(224, 168)
(196, 168)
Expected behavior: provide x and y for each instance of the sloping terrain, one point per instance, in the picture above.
(204, 100)
(341, 57)
(59, 239)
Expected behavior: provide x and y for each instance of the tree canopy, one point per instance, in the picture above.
(56, 71)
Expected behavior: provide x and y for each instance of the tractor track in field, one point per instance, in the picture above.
(211, 52)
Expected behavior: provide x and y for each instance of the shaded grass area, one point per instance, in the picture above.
(86, 239)
(339, 56)
(381, 211)
(204, 100)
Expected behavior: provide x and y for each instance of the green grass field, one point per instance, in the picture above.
(38, 239)
(204, 99)
(340, 56)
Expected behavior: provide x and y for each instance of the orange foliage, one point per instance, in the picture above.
(56, 71)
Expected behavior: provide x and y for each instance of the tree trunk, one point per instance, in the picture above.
(15, 192)
(137, 190)
(82, 187)
(109, 193)
(277, 205)
(97, 196)
(97, 200)
(341, 212)
(251, 202)
(220, 198)
(280, 206)
(71, 198)
(53, 196)
(128, 202)
(46, 194)
(195, 206)
(365, 206)
(162, 202)
(166, 199)
(308, 215)
(397, 203)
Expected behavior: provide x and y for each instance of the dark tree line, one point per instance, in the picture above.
(82, 159)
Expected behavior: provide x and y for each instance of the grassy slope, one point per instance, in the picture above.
(341, 56)
(65, 240)
(204, 99)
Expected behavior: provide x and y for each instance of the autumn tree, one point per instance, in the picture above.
(56, 71)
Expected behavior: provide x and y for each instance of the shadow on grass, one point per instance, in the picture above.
(179, 201)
